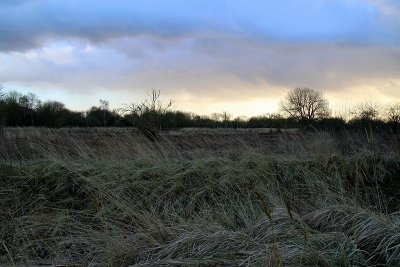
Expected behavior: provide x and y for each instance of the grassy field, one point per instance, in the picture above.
(108, 197)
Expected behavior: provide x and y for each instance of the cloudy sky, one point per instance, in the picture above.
(209, 56)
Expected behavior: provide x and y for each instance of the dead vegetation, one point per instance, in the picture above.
(115, 198)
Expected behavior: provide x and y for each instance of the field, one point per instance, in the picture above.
(109, 197)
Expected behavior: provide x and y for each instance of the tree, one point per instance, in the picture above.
(393, 115)
(275, 120)
(53, 114)
(365, 115)
(12, 109)
(240, 122)
(226, 117)
(104, 106)
(94, 117)
(147, 115)
(183, 119)
(368, 111)
(23, 102)
(305, 105)
(216, 118)
(33, 103)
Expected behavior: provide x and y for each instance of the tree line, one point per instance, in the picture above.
(302, 108)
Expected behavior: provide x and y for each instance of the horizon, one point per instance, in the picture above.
(341, 110)
(242, 57)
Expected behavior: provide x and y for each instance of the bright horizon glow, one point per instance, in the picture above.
(338, 105)
(209, 56)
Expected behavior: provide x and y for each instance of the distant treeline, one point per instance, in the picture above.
(18, 110)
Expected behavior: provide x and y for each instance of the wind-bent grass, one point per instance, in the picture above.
(113, 198)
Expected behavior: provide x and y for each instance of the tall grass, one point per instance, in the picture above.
(111, 197)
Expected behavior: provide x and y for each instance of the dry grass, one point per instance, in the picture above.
(109, 197)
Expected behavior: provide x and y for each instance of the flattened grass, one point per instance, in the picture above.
(112, 198)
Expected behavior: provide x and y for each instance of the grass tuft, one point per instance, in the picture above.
(109, 197)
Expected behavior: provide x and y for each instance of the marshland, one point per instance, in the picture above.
(275, 140)
(111, 197)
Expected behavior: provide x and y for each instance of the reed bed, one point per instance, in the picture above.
(109, 197)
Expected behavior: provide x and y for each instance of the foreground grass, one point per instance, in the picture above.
(112, 198)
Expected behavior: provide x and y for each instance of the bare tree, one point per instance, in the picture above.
(33, 103)
(240, 122)
(13, 96)
(226, 117)
(104, 106)
(367, 111)
(51, 112)
(23, 101)
(274, 120)
(305, 105)
(392, 112)
(147, 115)
(366, 116)
(216, 117)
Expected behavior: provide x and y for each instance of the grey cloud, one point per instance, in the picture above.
(239, 64)
(232, 65)
(209, 66)
(25, 26)
(296, 22)
(28, 24)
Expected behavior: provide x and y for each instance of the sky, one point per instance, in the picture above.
(239, 56)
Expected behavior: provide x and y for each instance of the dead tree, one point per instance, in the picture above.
(147, 115)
